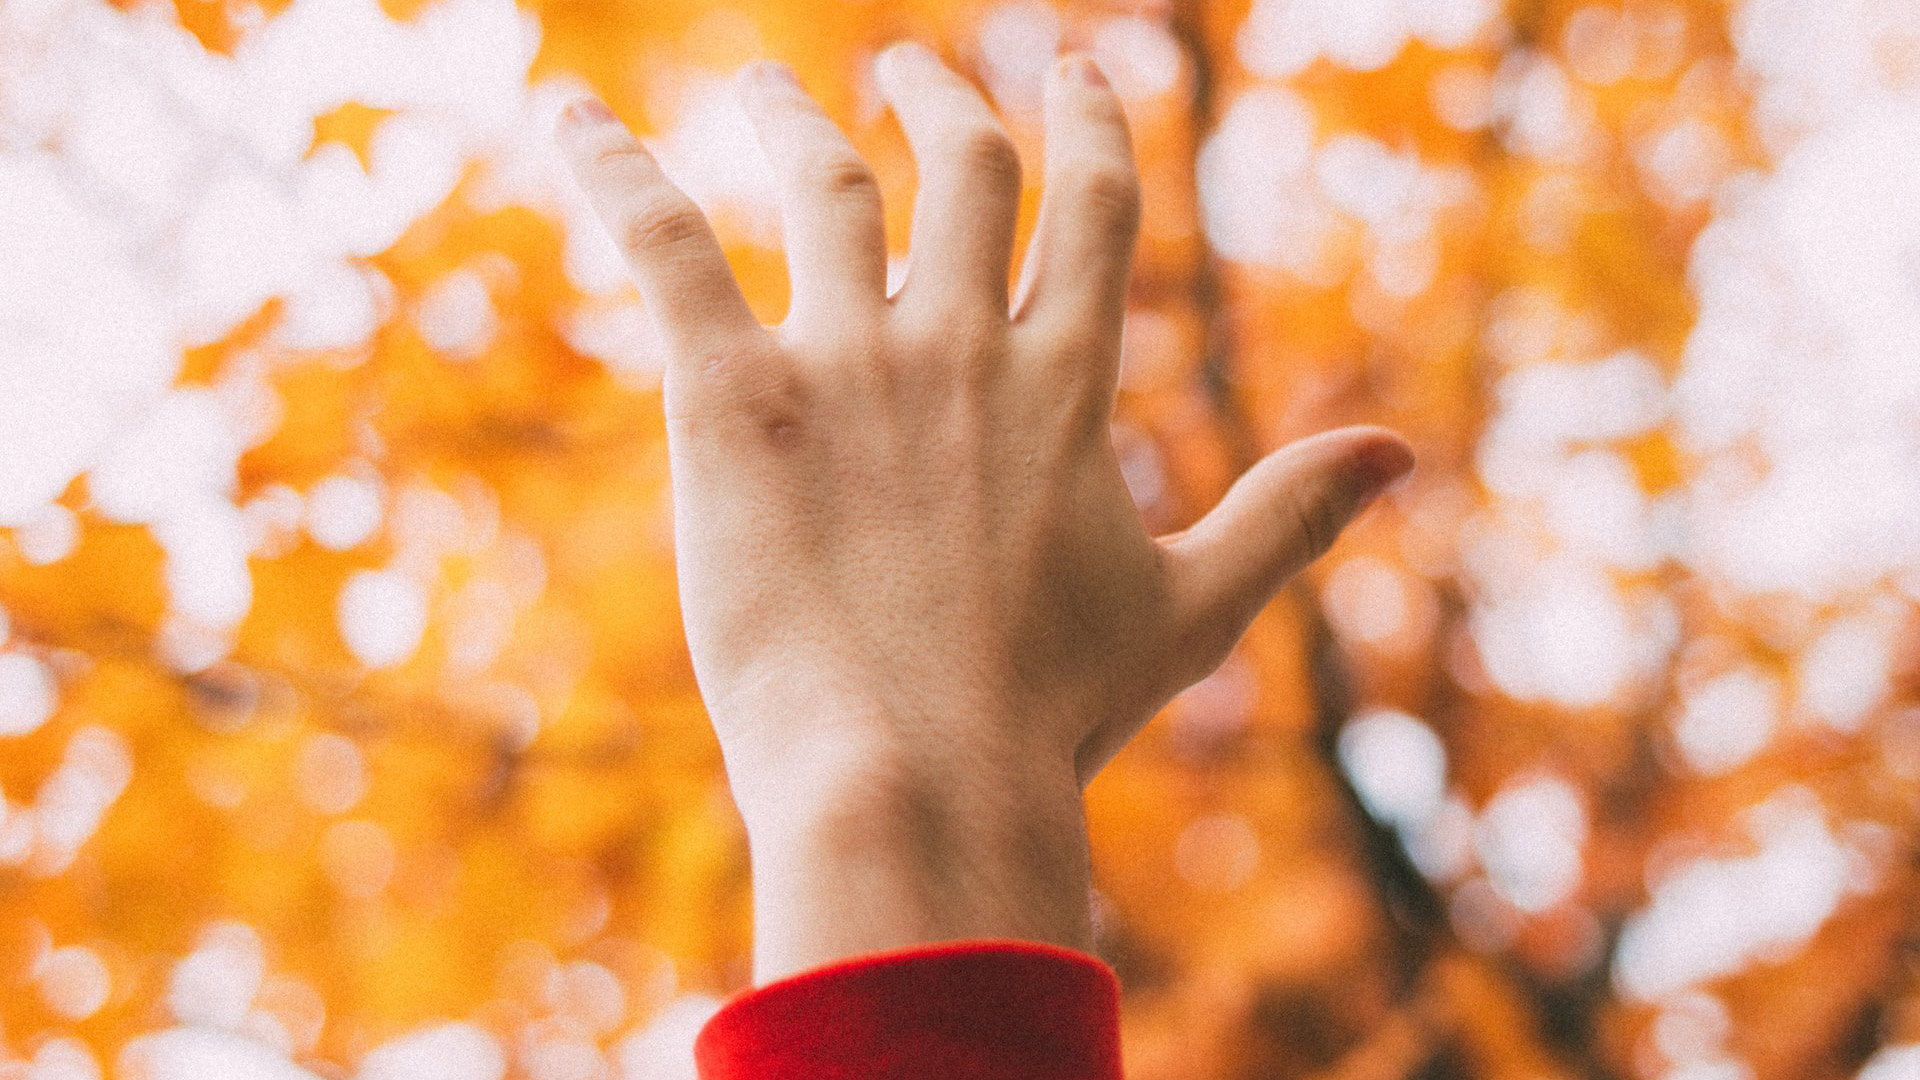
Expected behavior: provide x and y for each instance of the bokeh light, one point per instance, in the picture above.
(346, 726)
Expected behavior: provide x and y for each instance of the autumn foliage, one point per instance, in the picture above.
(443, 758)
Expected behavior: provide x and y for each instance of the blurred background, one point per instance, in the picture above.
(346, 726)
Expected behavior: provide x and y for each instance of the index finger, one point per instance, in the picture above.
(675, 258)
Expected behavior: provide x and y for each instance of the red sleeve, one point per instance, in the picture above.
(957, 1010)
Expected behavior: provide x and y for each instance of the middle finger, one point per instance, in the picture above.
(969, 197)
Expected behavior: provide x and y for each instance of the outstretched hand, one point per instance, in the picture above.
(911, 574)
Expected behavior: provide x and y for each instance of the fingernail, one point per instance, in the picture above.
(1375, 469)
(910, 50)
(1081, 69)
(886, 66)
(587, 110)
(772, 74)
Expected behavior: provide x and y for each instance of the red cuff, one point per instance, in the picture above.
(958, 1010)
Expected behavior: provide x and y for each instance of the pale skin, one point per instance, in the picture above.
(922, 609)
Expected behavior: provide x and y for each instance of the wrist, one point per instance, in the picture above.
(878, 851)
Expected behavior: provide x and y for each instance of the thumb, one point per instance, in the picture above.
(1279, 516)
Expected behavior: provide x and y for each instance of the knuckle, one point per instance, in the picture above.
(1111, 194)
(963, 340)
(980, 360)
(663, 224)
(619, 155)
(843, 176)
(729, 364)
(834, 349)
(743, 378)
(1314, 519)
(986, 152)
(1077, 365)
(955, 350)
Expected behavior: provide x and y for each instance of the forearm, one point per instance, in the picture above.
(883, 854)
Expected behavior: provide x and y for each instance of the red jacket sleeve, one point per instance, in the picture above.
(956, 1010)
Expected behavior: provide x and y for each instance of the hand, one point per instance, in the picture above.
(915, 587)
